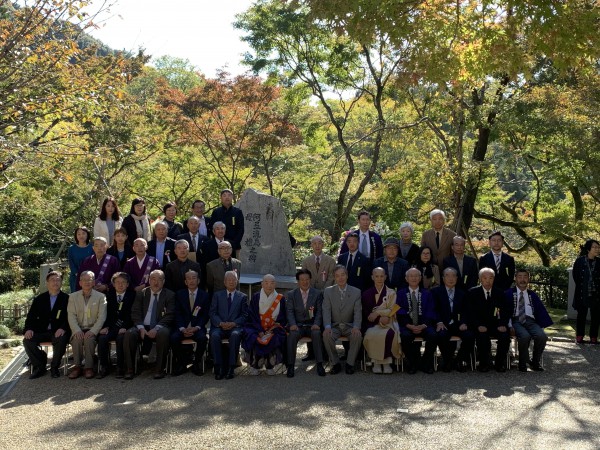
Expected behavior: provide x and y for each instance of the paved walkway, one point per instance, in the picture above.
(559, 408)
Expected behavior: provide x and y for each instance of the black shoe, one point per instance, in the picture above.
(219, 373)
(179, 370)
(462, 367)
(483, 368)
(429, 370)
(320, 370)
(128, 375)
(522, 368)
(159, 375)
(197, 370)
(412, 371)
(500, 368)
(120, 373)
(102, 373)
(349, 369)
(230, 373)
(290, 371)
(54, 372)
(337, 368)
(38, 373)
(447, 368)
(308, 357)
(537, 368)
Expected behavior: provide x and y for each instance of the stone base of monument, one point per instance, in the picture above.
(250, 283)
(572, 312)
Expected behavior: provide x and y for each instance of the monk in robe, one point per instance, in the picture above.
(139, 267)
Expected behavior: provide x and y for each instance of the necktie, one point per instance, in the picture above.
(192, 300)
(304, 298)
(487, 295)
(364, 248)
(451, 298)
(318, 263)
(193, 242)
(497, 263)
(437, 239)
(154, 320)
(521, 308)
(350, 262)
(119, 298)
(414, 313)
(229, 302)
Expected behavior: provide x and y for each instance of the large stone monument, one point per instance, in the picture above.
(266, 244)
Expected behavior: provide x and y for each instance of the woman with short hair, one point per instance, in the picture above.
(77, 252)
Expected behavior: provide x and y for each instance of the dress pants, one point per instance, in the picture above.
(447, 348)
(329, 343)
(84, 349)
(38, 357)
(594, 322)
(484, 347)
(104, 348)
(294, 337)
(412, 349)
(132, 338)
(525, 332)
(235, 338)
(178, 350)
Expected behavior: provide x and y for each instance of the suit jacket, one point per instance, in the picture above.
(175, 273)
(215, 274)
(96, 311)
(540, 314)
(139, 275)
(505, 276)
(375, 247)
(438, 254)
(398, 278)
(359, 275)
(188, 237)
(40, 315)
(324, 278)
(426, 306)
(119, 316)
(220, 311)
(208, 227)
(233, 218)
(169, 253)
(491, 313)
(444, 314)
(165, 306)
(196, 317)
(101, 229)
(342, 313)
(297, 314)
(469, 277)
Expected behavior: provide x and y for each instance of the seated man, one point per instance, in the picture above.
(101, 264)
(47, 321)
(264, 332)
(395, 268)
(87, 314)
(139, 267)
(209, 250)
(215, 270)
(489, 313)
(416, 318)
(175, 270)
(192, 307)
(529, 318)
(153, 313)
(119, 302)
(228, 311)
(193, 238)
(304, 311)
(452, 321)
(342, 315)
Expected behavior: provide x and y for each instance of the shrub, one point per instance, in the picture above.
(4, 332)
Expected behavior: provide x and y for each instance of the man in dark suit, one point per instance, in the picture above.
(162, 247)
(395, 268)
(153, 313)
(215, 270)
(176, 270)
(209, 250)
(466, 266)
(193, 238)
(119, 301)
(192, 307)
(529, 318)
(228, 312)
(452, 321)
(304, 309)
(204, 229)
(488, 315)
(369, 242)
(357, 265)
(416, 318)
(438, 238)
(232, 217)
(47, 321)
(501, 263)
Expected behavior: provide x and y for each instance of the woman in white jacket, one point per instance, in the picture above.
(108, 221)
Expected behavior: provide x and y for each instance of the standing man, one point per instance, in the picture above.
(228, 312)
(162, 247)
(176, 270)
(139, 267)
(342, 316)
(47, 321)
(489, 313)
(216, 270)
(529, 318)
(465, 265)
(304, 308)
(102, 265)
(395, 268)
(438, 238)
(319, 264)
(153, 314)
(193, 238)
(192, 307)
(232, 217)
(370, 244)
(198, 208)
(209, 250)
(357, 265)
(87, 314)
(501, 263)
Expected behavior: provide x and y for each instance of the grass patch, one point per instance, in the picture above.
(562, 326)
(8, 299)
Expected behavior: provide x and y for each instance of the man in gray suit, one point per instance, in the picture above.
(342, 312)
(438, 238)
(320, 265)
(228, 311)
(153, 313)
(215, 270)
(304, 309)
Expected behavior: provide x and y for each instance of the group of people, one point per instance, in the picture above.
(388, 297)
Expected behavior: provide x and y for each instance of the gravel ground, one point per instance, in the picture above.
(556, 409)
